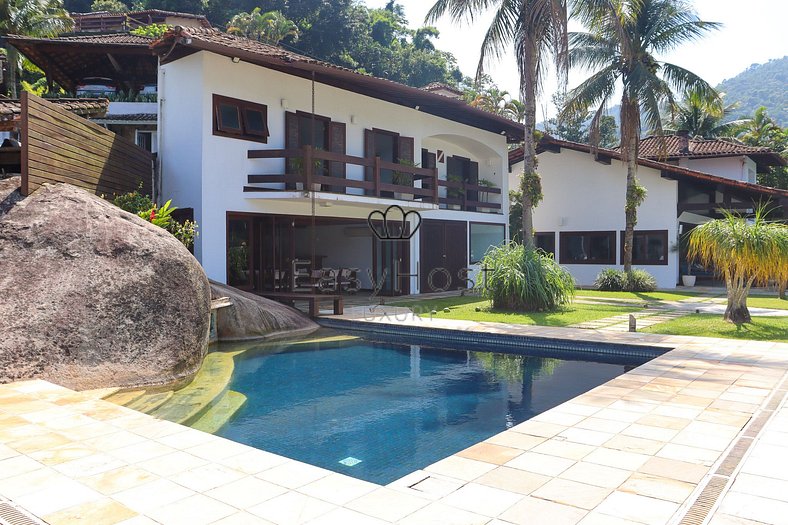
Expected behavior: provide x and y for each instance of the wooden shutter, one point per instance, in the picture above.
(406, 147)
(369, 153)
(292, 141)
(337, 143)
(337, 136)
(473, 178)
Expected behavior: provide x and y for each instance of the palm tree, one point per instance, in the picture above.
(514, 110)
(743, 251)
(42, 18)
(535, 28)
(702, 117)
(620, 46)
(759, 130)
(271, 26)
(492, 99)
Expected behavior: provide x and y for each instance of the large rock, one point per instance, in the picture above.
(254, 317)
(93, 296)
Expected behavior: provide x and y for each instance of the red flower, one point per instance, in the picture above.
(152, 214)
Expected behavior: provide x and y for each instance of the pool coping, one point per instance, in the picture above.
(738, 378)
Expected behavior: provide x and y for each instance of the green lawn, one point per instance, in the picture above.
(464, 308)
(708, 325)
(767, 302)
(646, 296)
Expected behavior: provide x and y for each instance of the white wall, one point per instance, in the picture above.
(190, 151)
(581, 194)
(180, 124)
(735, 168)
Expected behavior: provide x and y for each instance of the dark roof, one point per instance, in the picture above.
(86, 107)
(548, 143)
(67, 60)
(673, 147)
(128, 117)
(109, 21)
(191, 40)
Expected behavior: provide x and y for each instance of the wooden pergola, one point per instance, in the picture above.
(69, 60)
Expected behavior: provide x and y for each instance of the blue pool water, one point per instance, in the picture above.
(378, 411)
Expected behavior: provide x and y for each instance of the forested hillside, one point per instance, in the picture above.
(760, 85)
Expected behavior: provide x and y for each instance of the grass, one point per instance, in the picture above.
(767, 302)
(464, 308)
(646, 296)
(708, 325)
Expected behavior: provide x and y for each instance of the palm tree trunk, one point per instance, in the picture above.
(528, 95)
(12, 59)
(781, 286)
(631, 212)
(737, 312)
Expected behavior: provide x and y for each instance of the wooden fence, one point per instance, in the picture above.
(58, 146)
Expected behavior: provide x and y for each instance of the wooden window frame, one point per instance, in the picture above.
(242, 106)
(648, 262)
(564, 245)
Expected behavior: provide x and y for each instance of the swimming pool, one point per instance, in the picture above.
(380, 410)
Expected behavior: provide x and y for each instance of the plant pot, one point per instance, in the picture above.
(688, 280)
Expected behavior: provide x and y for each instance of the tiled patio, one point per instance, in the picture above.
(638, 449)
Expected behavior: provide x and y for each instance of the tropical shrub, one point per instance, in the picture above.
(613, 280)
(143, 206)
(640, 281)
(610, 280)
(516, 277)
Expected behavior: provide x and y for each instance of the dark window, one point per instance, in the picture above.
(240, 119)
(588, 248)
(239, 252)
(546, 242)
(649, 247)
(255, 122)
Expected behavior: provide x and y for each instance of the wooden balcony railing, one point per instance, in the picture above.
(314, 167)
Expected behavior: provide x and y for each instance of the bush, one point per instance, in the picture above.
(518, 278)
(640, 281)
(143, 206)
(612, 280)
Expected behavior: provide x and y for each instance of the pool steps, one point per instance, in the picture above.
(221, 412)
(205, 403)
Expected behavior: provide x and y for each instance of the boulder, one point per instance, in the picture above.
(255, 317)
(10, 193)
(94, 296)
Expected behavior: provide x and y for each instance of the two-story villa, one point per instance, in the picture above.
(289, 164)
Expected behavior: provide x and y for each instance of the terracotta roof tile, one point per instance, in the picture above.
(671, 147)
(10, 109)
(129, 117)
(112, 39)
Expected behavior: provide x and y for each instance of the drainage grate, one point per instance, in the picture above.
(700, 509)
(10, 514)
(734, 457)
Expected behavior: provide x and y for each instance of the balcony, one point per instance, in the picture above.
(408, 183)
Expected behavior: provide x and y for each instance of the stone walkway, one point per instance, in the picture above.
(636, 450)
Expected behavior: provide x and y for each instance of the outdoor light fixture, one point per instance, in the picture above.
(236, 60)
(417, 108)
(352, 119)
(283, 103)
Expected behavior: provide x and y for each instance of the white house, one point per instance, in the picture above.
(581, 219)
(283, 158)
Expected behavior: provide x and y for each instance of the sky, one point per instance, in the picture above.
(752, 32)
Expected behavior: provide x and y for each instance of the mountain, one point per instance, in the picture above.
(760, 85)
